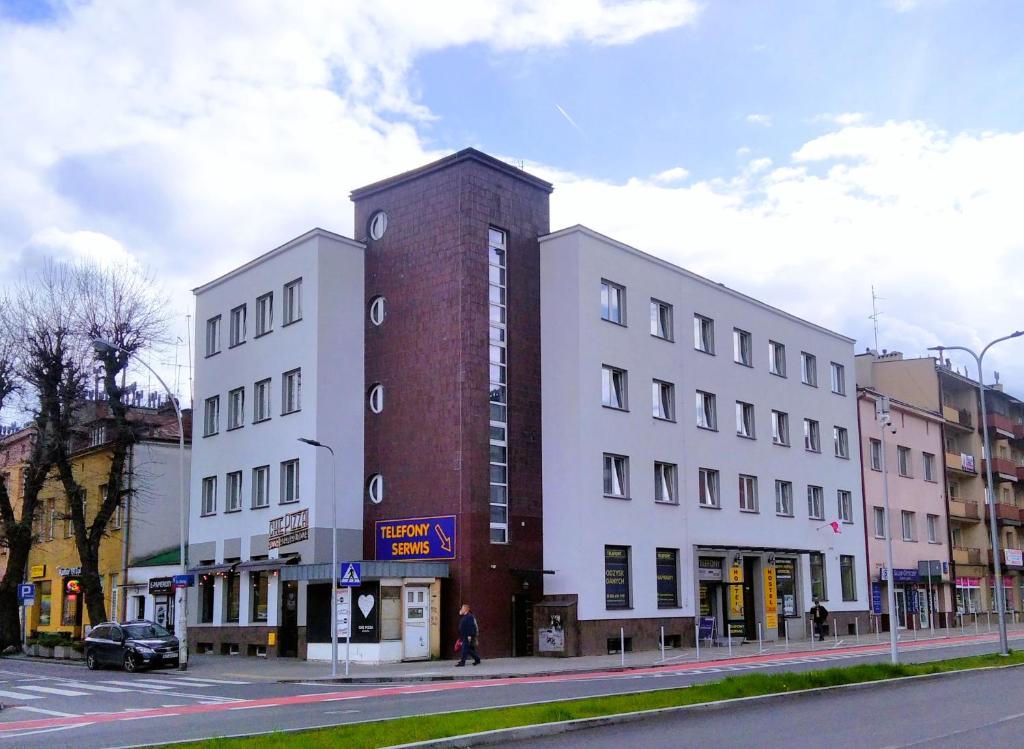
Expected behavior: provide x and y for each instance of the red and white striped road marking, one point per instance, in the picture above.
(308, 699)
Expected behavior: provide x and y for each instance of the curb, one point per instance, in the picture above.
(35, 659)
(541, 730)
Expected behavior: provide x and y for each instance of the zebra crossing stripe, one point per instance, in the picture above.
(20, 696)
(137, 684)
(93, 687)
(207, 681)
(52, 690)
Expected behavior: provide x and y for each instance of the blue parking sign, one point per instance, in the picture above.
(26, 592)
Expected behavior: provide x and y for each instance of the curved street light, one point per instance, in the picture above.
(989, 493)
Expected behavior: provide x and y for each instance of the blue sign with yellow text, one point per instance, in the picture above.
(412, 539)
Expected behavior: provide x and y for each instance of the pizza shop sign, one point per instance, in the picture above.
(288, 529)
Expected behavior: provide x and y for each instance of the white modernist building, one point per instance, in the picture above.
(279, 356)
(700, 455)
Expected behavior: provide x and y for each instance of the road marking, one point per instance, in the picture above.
(51, 713)
(251, 707)
(20, 696)
(176, 682)
(53, 690)
(93, 687)
(136, 684)
(207, 681)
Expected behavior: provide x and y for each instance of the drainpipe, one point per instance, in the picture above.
(126, 537)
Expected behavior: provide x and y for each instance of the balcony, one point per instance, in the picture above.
(1003, 469)
(962, 555)
(999, 426)
(961, 463)
(964, 511)
(1018, 431)
(1005, 514)
(958, 417)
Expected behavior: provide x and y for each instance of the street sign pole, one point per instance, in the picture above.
(351, 574)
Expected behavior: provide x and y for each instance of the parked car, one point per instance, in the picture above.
(132, 645)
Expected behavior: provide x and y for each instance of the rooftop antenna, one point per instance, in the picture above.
(875, 313)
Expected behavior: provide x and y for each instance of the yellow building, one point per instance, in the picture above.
(16, 446)
(54, 565)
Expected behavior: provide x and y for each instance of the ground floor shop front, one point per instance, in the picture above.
(921, 603)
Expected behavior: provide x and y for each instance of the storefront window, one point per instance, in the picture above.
(785, 584)
(45, 599)
(206, 599)
(668, 578)
(260, 581)
(69, 610)
(390, 613)
(818, 587)
(616, 577)
(846, 574)
(231, 597)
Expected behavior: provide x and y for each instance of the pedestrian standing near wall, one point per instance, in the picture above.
(468, 632)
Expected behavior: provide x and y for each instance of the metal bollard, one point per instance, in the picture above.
(696, 639)
(856, 629)
(662, 644)
(622, 646)
(988, 615)
(977, 629)
(728, 629)
(835, 632)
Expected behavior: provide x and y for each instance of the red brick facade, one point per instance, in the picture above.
(430, 443)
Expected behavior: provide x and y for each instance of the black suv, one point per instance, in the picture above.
(134, 645)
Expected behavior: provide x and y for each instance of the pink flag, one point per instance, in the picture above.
(836, 527)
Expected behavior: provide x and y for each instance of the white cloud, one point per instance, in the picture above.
(843, 118)
(764, 120)
(675, 174)
(82, 246)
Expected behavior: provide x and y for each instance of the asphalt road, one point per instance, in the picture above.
(48, 704)
(915, 713)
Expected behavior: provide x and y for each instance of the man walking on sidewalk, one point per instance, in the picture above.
(468, 631)
(819, 615)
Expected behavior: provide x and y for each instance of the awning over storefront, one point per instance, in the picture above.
(262, 565)
(213, 569)
(371, 569)
(755, 549)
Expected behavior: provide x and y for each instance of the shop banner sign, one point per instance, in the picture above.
(288, 529)
(1014, 557)
(161, 586)
(706, 628)
(736, 591)
(616, 577)
(411, 539)
(771, 598)
(876, 598)
(709, 569)
(668, 578)
(901, 575)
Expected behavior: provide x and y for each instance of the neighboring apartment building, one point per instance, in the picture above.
(918, 515)
(935, 386)
(699, 456)
(146, 523)
(15, 445)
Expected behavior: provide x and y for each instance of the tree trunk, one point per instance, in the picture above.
(10, 619)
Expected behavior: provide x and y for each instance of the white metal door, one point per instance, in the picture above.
(416, 634)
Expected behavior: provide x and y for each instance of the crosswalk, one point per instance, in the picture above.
(16, 692)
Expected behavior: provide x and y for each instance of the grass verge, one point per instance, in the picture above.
(420, 728)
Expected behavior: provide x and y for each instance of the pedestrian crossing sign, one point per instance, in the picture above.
(350, 572)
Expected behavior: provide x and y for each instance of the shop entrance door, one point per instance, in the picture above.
(750, 570)
(522, 625)
(288, 642)
(416, 634)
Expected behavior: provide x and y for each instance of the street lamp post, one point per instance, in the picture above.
(334, 557)
(884, 421)
(989, 493)
(181, 594)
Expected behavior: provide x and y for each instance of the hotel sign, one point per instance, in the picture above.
(288, 529)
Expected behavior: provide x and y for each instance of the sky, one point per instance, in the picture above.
(800, 152)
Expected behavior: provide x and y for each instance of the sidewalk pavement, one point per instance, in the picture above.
(294, 670)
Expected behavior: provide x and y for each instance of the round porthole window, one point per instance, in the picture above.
(376, 398)
(378, 224)
(375, 488)
(378, 310)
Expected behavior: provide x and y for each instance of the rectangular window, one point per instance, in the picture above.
(291, 391)
(808, 369)
(45, 602)
(616, 475)
(264, 314)
(929, 466)
(209, 495)
(289, 481)
(784, 498)
(211, 416)
(261, 400)
(231, 597)
(933, 529)
(497, 257)
(841, 442)
(613, 387)
(663, 400)
(233, 500)
(259, 582)
(236, 408)
(742, 347)
(213, 336)
(390, 612)
(812, 436)
(613, 302)
(292, 311)
(844, 500)
(815, 503)
(905, 460)
(838, 379)
(260, 487)
(206, 599)
(776, 358)
(704, 334)
(907, 523)
(848, 577)
(780, 428)
(616, 577)
(748, 493)
(667, 565)
(707, 411)
(876, 455)
(661, 319)
(666, 486)
(745, 419)
(879, 515)
(818, 587)
(236, 332)
(707, 488)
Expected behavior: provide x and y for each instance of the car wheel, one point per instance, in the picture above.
(90, 661)
(131, 663)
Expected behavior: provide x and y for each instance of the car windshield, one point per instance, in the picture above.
(145, 631)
